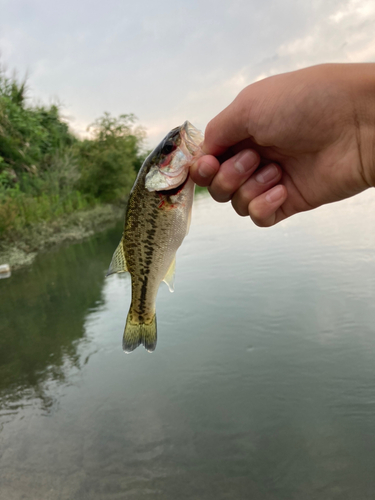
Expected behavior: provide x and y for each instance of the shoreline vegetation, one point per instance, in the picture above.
(43, 236)
(54, 186)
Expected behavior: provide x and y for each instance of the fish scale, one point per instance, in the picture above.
(156, 222)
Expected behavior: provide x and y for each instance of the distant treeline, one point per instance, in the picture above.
(46, 171)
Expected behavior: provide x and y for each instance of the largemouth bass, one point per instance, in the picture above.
(157, 220)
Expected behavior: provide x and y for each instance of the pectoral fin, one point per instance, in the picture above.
(169, 277)
(118, 262)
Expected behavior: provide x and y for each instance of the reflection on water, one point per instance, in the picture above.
(261, 387)
(42, 311)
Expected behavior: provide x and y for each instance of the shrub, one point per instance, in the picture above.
(45, 171)
(110, 159)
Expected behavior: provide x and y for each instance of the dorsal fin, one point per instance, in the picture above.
(118, 262)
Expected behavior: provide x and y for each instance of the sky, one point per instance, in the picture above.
(167, 61)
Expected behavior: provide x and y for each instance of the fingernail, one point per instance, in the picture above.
(274, 194)
(245, 161)
(205, 170)
(266, 174)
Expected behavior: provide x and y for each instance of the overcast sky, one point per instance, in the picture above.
(167, 61)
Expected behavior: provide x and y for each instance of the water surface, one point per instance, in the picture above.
(262, 385)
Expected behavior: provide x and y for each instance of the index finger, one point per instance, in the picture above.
(229, 127)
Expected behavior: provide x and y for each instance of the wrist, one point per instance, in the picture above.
(364, 99)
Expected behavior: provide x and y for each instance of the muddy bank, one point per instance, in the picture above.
(20, 249)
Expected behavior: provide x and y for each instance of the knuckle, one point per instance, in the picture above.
(257, 222)
(240, 209)
(261, 221)
(240, 204)
(222, 190)
(225, 187)
(219, 196)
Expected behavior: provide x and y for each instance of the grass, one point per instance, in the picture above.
(21, 210)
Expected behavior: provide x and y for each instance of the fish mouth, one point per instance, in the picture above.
(192, 136)
(175, 190)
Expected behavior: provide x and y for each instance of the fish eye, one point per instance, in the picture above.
(168, 148)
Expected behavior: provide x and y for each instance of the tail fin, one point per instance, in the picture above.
(139, 333)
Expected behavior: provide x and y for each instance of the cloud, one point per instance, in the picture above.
(361, 9)
(169, 61)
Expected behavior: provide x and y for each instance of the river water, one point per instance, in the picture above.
(262, 385)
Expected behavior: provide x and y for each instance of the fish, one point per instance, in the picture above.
(157, 219)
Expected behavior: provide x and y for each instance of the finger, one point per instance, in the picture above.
(204, 170)
(232, 174)
(265, 209)
(262, 180)
(227, 128)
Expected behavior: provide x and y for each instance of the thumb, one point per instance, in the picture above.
(229, 127)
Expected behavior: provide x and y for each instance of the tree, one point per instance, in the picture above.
(109, 160)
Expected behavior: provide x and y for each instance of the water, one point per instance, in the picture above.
(262, 385)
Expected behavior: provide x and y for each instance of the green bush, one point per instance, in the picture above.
(110, 160)
(29, 136)
(45, 171)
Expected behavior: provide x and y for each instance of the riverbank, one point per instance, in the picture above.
(21, 248)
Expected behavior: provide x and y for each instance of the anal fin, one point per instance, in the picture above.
(169, 277)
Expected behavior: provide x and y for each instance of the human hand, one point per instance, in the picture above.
(293, 142)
